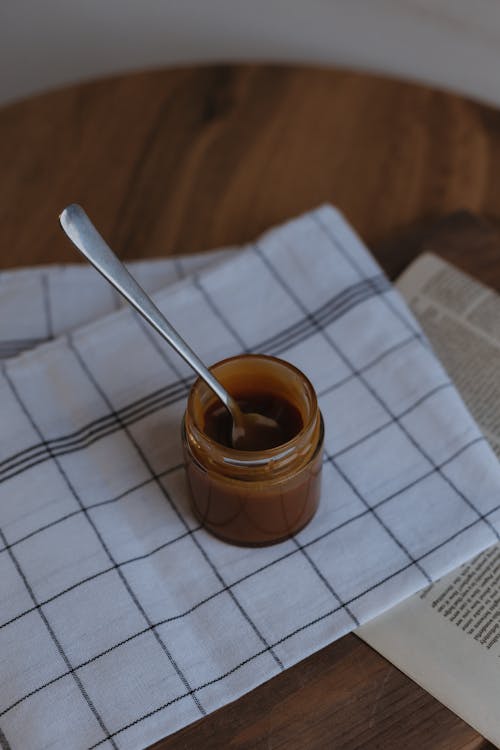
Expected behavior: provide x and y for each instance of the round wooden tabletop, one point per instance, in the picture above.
(185, 160)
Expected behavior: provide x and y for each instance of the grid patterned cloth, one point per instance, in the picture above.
(121, 620)
(38, 304)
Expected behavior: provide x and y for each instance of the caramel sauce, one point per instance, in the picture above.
(218, 422)
(259, 496)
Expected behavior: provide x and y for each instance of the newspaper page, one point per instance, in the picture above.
(447, 637)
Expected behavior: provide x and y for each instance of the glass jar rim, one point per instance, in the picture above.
(265, 473)
(234, 457)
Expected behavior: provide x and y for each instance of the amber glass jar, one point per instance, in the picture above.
(262, 496)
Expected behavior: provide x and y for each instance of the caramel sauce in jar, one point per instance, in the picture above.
(264, 495)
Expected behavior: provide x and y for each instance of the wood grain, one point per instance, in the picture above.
(180, 161)
(185, 160)
(345, 697)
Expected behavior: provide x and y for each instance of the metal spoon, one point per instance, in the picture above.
(248, 428)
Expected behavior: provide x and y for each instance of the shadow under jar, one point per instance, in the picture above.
(262, 496)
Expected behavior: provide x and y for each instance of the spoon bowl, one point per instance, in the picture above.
(255, 430)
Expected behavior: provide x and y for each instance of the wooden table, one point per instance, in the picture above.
(186, 160)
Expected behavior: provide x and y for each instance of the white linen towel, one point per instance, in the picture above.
(121, 620)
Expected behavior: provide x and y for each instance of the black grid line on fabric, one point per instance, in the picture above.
(138, 409)
(261, 569)
(47, 305)
(70, 669)
(400, 415)
(149, 480)
(101, 428)
(106, 425)
(355, 266)
(425, 475)
(386, 528)
(59, 594)
(148, 332)
(200, 687)
(168, 498)
(324, 580)
(172, 391)
(267, 263)
(234, 333)
(221, 318)
(97, 504)
(341, 248)
(295, 632)
(104, 571)
(316, 539)
(91, 506)
(133, 596)
(140, 452)
(372, 363)
(343, 302)
(43, 616)
(3, 742)
(101, 541)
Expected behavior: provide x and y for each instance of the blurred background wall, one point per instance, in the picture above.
(450, 43)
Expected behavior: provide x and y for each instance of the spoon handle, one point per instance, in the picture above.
(89, 242)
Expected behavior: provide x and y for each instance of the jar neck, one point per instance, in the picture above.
(246, 374)
(255, 466)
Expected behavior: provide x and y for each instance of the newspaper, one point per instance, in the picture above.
(447, 637)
